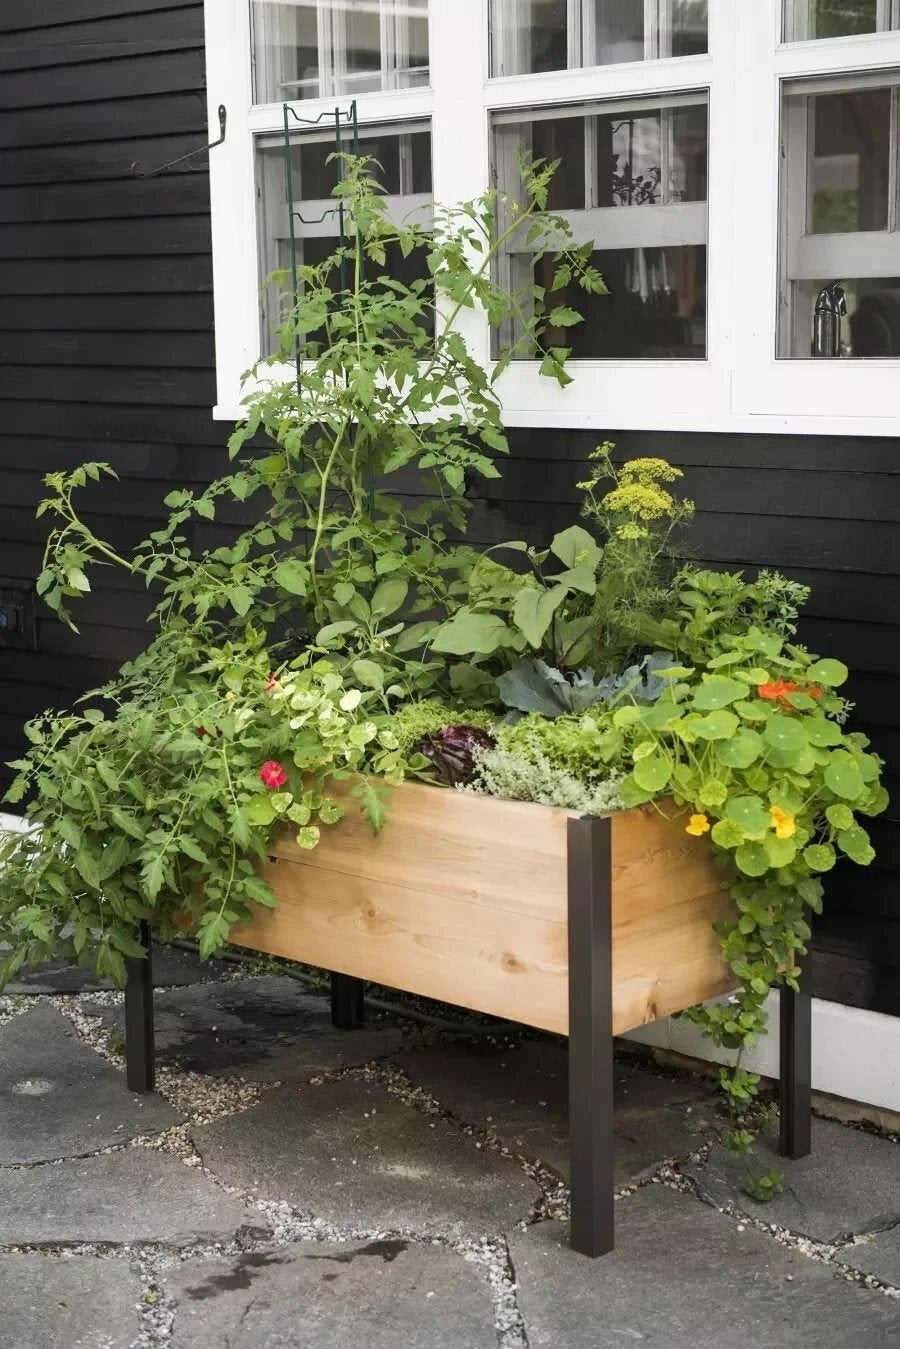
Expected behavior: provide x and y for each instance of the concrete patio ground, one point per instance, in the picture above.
(295, 1187)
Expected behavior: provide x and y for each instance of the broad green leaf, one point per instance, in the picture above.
(821, 732)
(576, 547)
(820, 856)
(332, 632)
(750, 813)
(840, 816)
(780, 851)
(855, 843)
(88, 869)
(741, 750)
(369, 674)
(652, 773)
(469, 633)
(293, 577)
(533, 612)
(389, 596)
(718, 725)
(712, 793)
(309, 836)
(785, 734)
(717, 691)
(843, 776)
(830, 672)
(752, 859)
(727, 834)
(260, 811)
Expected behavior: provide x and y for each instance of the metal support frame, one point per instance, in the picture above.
(795, 1069)
(590, 1035)
(140, 1048)
(347, 1008)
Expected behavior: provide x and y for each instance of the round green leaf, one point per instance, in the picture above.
(831, 672)
(840, 816)
(633, 794)
(752, 859)
(855, 843)
(780, 851)
(308, 837)
(712, 793)
(785, 734)
(652, 773)
(821, 732)
(741, 750)
(718, 725)
(727, 834)
(717, 691)
(751, 711)
(842, 776)
(820, 856)
(750, 813)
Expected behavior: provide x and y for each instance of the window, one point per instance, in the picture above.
(841, 211)
(735, 168)
(632, 180)
(530, 36)
(806, 19)
(308, 49)
(404, 158)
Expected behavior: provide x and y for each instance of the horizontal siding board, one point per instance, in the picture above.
(97, 161)
(171, 72)
(156, 236)
(108, 313)
(140, 351)
(121, 119)
(170, 194)
(186, 387)
(108, 39)
(131, 459)
(80, 421)
(107, 276)
(32, 17)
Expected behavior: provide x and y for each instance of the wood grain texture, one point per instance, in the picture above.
(465, 900)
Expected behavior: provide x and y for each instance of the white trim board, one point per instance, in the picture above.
(855, 1053)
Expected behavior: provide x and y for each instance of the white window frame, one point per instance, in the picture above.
(740, 386)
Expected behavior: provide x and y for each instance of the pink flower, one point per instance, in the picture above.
(272, 685)
(273, 775)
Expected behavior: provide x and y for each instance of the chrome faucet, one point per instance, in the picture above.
(831, 307)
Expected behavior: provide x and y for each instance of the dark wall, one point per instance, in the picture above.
(107, 351)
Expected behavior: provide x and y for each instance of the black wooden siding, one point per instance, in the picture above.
(107, 351)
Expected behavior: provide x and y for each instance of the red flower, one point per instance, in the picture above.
(273, 775)
(272, 684)
(201, 731)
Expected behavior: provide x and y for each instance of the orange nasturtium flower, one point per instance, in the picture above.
(777, 692)
(698, 826)
(785, 825)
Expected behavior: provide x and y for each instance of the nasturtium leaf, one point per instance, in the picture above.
(633, 794)
(842, 776)
(752, 859)
(652, 773)
(309, 836)
(855, 843)
(840, 816)
(717, 691)
(726, 658)
(351, 700)
(751, 711)
(750, 813)
(712, 793)
(780, 851)
(876, 800)
(331, 811)
(718, 725)
(821, 732)
(741, 750)
(820, 856)
(727, 834)
(830, 672)
(785, 734)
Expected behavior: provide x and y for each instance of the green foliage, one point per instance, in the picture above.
(412, 721)
(527, 774)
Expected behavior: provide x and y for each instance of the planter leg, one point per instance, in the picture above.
(796, 1069)
(140, 1050)
(590, 1036)
(347, 1010)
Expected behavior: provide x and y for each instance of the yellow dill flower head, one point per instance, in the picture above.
(632, 531)
(649, 471)
(698, 825)
(785, 825)
(644, 501)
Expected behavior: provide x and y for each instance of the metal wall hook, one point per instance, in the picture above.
(140, 172)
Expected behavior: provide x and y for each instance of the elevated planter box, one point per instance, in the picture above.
(586, 926)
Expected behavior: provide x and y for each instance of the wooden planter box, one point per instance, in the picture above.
(584, 926)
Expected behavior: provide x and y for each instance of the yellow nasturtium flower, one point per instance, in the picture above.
(698, 826)
(785, 825)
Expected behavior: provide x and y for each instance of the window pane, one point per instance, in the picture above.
(405, 174)
(314, 48)
(634, 180)
(530, 36)
(806, 19)
(851, 161)
(840, 216)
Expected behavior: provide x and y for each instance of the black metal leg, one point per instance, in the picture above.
(140, 1050)
(590, 1036)
(347, 1009)
(796, 1068)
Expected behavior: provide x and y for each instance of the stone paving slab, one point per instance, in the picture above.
(58, 1098)
(683, 1277)
(262, 1028)
(171, 968)
(353, 1154)
(522, 1095)
(52, 1302)
(382, 1295)
(877, 1254)
(137, 1194)
(850, 1184)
